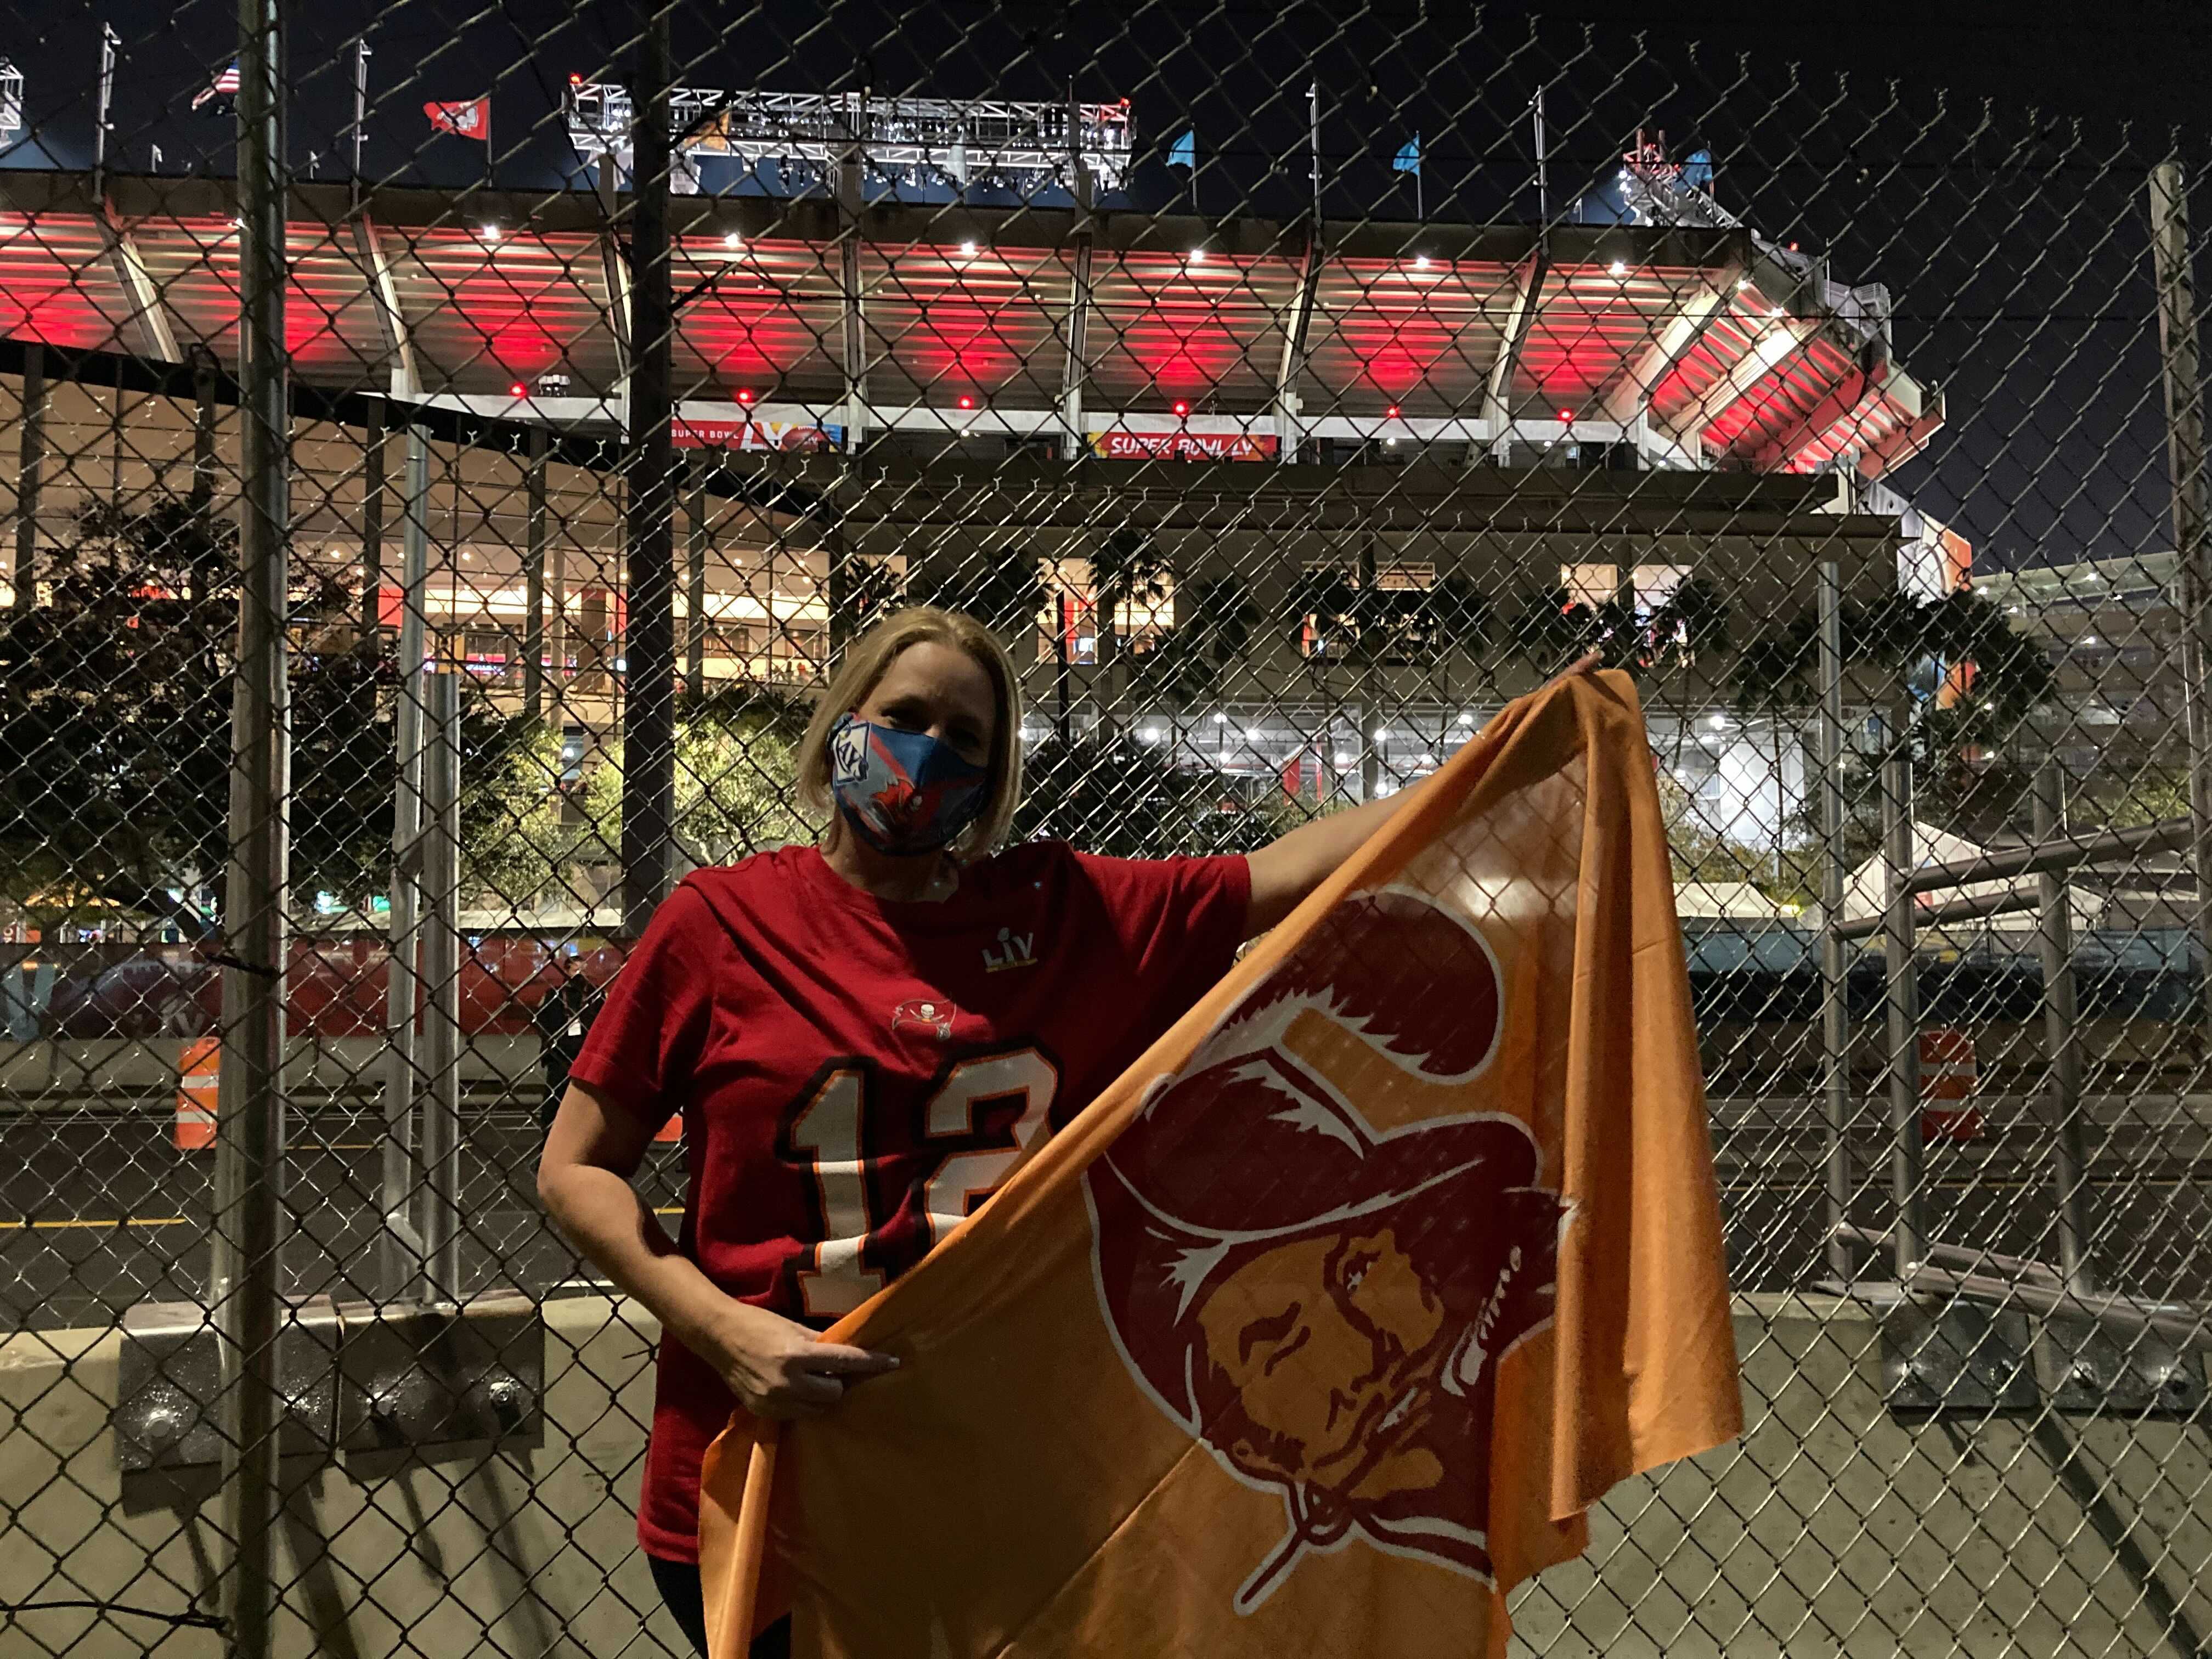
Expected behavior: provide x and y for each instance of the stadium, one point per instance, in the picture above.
(878, 393)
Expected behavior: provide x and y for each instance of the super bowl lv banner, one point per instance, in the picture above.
(1323, 1327)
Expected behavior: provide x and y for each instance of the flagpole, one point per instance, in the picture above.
(108, 40)
(1313, 140)
(1543, 180)
(360, 100)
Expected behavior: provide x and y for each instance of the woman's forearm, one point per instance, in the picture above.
(1286, 870)
(619, 1233)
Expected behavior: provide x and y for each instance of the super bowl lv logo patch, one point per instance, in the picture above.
(1322, 1304)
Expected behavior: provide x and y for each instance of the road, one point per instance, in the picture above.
(98, 1211)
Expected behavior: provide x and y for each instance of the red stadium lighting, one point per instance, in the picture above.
(967, 401)
(518, 390)
(745, 394)
(1180, 408)
(1567, 415)
(1392, 412)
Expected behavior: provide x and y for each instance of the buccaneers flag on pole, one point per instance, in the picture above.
(1321, 1328)
(470, 119)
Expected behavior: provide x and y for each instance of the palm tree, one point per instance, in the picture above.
(1127, 569)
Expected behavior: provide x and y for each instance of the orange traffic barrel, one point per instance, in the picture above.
(200, 1072)
(1948, 1078)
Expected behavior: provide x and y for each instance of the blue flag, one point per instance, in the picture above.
(1409, 157)
(1183, 153)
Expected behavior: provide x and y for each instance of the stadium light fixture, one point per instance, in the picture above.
(1566, 417)
(489, 233)
(1220, 717)
(1420, 261)
(967, 250)
(1389, 443)
(518, 390)
(1619, 268)
(967, 400)
(1197, 256)
(745, 394)
(733, 242)
(1182, 409)
(1392, 412)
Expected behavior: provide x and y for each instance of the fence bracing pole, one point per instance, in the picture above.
(250, 1113)
(400, 1249)
(2070, 1160)
(1835, 1005)
(30, 465)
(2184, 453)
(440, 902)
(1901, 999)
(649, 780)
(373, 483)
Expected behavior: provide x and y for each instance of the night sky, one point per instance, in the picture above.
(1986, 162)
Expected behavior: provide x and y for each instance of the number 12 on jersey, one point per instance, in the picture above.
(869, 1234)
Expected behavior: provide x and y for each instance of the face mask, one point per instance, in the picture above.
(903, 793)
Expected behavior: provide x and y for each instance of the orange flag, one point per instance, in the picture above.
(1321, 1328)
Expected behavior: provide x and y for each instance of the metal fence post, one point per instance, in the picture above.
(372, 482)
(30, 464)
(695, 579)
(1835, 970)
(441, 1053)
(649, 638)
(2070, 1161)
(2184, 451)
(533, 578)
(1901, 999)
(250, 1138)
(400, 1246)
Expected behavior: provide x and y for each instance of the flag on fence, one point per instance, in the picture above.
(1183, 152)
(1322, 1327)
(1408, 159)
(224, 85)
(469, 120)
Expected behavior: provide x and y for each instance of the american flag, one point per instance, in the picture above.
(225, 85)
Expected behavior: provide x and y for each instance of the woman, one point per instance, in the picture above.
(862, 1036)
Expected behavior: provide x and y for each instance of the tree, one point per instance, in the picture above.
(1215, 621)
(1006, 595)
(115, 714)
(737, 782)
(1128, 570)
(1961, 683)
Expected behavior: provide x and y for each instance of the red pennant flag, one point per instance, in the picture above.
(471, 119)
(1323, 1327)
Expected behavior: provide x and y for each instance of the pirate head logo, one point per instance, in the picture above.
(1322, 1304)
(926, 1017)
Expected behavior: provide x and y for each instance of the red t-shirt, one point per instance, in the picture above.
(856, 1075)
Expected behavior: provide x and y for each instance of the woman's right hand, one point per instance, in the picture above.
(776, 1367)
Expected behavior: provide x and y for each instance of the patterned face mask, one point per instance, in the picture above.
(903, 793)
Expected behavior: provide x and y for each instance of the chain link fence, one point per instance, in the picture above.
(444, 457)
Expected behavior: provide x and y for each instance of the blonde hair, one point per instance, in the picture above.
(866, 660)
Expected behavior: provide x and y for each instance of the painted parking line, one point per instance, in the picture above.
(100, 1221)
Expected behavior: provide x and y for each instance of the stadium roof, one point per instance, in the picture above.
(1699, 345)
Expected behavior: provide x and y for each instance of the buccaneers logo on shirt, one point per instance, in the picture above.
(1325, 1304)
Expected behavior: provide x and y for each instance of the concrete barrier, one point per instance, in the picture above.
(1832, 1529)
